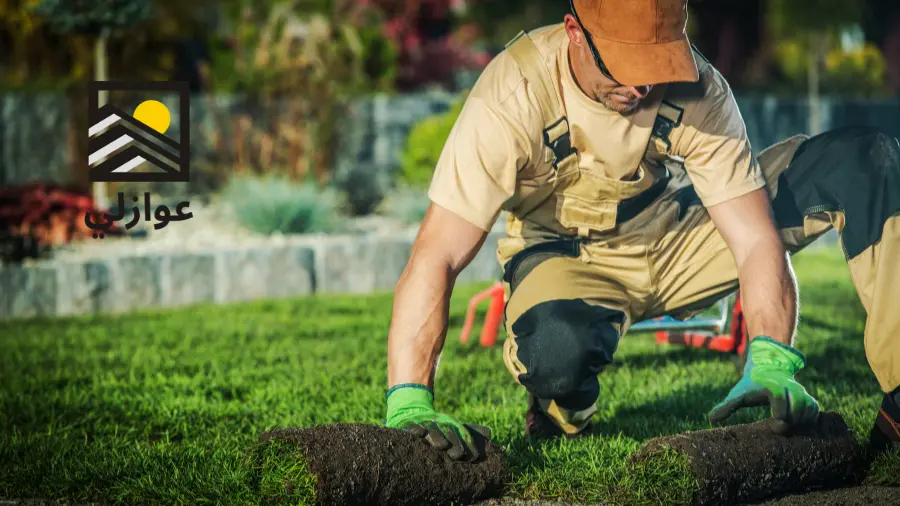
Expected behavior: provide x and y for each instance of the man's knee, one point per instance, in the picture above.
(563, 345)
(854, 171)
(848, 152)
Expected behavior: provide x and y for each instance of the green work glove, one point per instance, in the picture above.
(410, 407)
(769, 379)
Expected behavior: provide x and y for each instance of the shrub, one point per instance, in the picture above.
(406, 204)
(858, 71)
(36, 217)
(424, 145)
(274, 203)
(299, 65)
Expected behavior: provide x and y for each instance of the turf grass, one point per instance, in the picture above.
(162, 406)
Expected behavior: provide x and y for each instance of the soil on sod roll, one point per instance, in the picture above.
(851, 496)
(513, 501)
(749, 462)
(357, 464)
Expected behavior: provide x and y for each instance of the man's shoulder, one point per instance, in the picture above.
(709, 113)
(711, 86)
(503, 85)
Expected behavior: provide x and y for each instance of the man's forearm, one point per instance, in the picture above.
(419, 322)
(769, 292)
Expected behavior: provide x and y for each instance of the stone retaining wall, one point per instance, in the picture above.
(300, 266)
(372, 134)
(304, 265)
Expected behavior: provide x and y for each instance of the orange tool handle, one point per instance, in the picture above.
(716, 342)
(494, 316)
(470, 312)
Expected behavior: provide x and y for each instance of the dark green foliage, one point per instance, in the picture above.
(424, 145)
(814, 15)
(90, 17)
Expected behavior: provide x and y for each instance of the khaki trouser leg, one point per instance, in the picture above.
(876, 275)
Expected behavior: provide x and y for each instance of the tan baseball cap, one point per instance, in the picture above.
(640, 41)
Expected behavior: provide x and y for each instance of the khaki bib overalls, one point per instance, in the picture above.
(646, 247)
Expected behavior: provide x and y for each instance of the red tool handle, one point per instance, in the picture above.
(470, 312)
(494, 316)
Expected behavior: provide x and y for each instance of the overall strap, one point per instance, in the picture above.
(532, 66)
(557, 141)
(556, 126)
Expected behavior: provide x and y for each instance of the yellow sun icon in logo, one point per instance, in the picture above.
(153, 114)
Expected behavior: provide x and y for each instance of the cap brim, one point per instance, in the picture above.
(643, 64)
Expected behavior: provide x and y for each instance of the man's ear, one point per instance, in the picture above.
(576, 36)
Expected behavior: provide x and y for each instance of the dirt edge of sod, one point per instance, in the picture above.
(752, 462)
(370, 464)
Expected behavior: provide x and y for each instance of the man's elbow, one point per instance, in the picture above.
(747, 225)
(446, 242)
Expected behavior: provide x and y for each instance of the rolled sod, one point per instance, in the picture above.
(749, 462)
(357, 464)
(851, 496)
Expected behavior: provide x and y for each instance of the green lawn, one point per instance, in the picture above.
(161, 406)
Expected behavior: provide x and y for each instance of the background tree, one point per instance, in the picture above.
(140, 29)
(95, 19)
(34, 56)
(811, 30)
(295, 67)
(882, 28)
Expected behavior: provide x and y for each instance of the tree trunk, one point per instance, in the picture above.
(818, 46)
(100, 74)
(892, 54)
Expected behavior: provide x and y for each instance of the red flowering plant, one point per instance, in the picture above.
(432, 47)
(37, 216)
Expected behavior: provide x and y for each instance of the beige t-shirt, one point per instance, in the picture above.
(488, 155)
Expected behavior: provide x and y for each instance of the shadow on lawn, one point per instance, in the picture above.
(91, 418)
(839, 366)
(675, 412)
(812, 322)
(665, 355)
(835, 367)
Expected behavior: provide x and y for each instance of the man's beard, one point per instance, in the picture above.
(605, 97)
(613, 105)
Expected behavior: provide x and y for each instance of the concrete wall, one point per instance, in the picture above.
(33, 138)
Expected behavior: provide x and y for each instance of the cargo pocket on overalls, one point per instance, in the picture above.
(588, 201)
(580, 207)
(591, 202)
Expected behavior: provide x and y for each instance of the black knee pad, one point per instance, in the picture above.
(854, 170)
(563, 345)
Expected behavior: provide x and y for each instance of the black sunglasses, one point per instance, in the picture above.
(599, 61)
